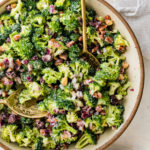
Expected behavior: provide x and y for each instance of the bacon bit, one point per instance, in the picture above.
(61, 12)
(107, 17)
(102, 28)
(18, 62)
(125, 65)
(54, 43)
(17, 37)
(109, 40)
(58, 62)
(1, 22)
(76, 31)
(1, 50)
(97, 95)
(132, 90)
(13, 5)
(63, 56)
(103, 112)
(64, 81)
(114, 128)
(95, 49)
(80, 38)
(102, 37)
(71, 43)
(121, 77)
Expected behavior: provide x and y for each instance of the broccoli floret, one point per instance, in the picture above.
(122, 90)
(114, 116)
(107, 72)
(26, 121)
(50, 76)
(30, 4)
(42, 107)
(75, 6)
(105, 99)
(65, 70)
(38, 144)
(24, 96)
(79, 66)
(36, 64)
(120, 41)
(96, 124)
(72, 117)
(90, 101)
(7, 20)
(23, 47)
(87, 138)
(94, 87)
(54, 25)
(38, 20)
(57, 47)
(65, 138)
(59, 4)
(43, 4)
(17, 10)
(62, 125)
(40, 42)
(69, 20)
(113, 87)
(34, 89)
(90, 14)
(9, 133)
(26, 30)
(74, 52)
(93, 36)
(48, 143)
(74, 37)
(112, 57)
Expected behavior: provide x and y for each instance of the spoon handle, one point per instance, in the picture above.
(3, 102)
(84, 25)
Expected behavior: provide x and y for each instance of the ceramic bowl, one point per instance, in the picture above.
(135, 72)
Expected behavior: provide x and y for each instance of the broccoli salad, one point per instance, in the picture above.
(40, 47)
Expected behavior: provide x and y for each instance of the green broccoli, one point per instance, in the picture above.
(114, 116)
(74, 52)
(93, 36)
(122, 90)
(48, 143)
(96, 124)
(7, 20)
(105, 99)
(26, 121)
(54, 25)
(69, 20)
(74, 37)
(113, 87)
(23, 47)
(38, 20)
(24, 96)
(112, 57)
(108, 72)
(60, 4)
(26, 30)
(75, 6)
(120, 41)
(90, 101)
(38, 144)
(17, 9)
(41, 106)
(36, 64)
(9, 133)
(65, 138)
(79, 66)
(94, 87)
(62, 125)
(87, 138)
(72, 117)
(50, 76)
(43, 4)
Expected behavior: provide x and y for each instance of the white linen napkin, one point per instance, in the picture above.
(137, 14)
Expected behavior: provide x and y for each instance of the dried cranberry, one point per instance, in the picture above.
(114, 100)
(48, 51)
(35, 57)
(86, 112)
(29, 79)
(25, 62)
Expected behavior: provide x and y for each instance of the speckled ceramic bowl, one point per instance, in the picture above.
(135, 72)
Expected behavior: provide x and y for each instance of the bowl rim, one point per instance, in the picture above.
(142, 73)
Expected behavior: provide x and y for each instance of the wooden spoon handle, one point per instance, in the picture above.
(3, 102)
(84, 25)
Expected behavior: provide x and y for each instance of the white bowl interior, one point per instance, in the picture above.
(134, 73)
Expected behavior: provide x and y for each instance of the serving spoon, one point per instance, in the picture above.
(29, 109)
(93, 61)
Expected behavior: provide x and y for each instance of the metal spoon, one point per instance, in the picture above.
(86, 54)
(29, 109)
